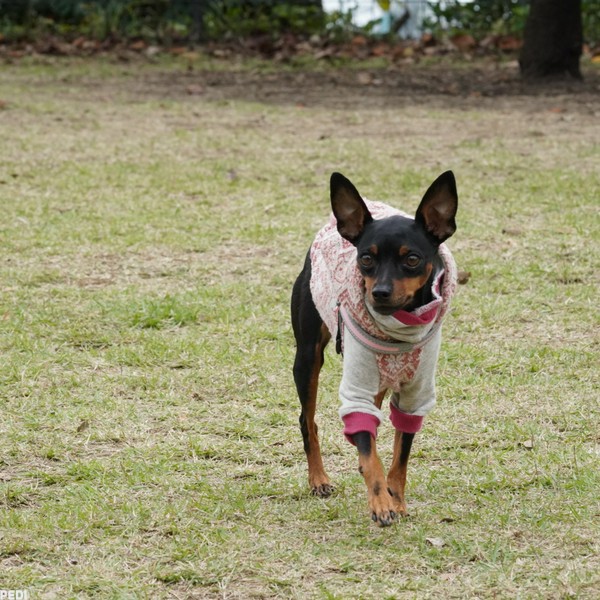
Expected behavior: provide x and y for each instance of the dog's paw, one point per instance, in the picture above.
(384, 519)
(382, 510)
(322, 491)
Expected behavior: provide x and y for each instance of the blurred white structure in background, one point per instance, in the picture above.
(388, 13)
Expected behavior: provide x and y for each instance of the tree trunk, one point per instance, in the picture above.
(553, 39)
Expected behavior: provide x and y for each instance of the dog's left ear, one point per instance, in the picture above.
(350, 211)
(438, 208)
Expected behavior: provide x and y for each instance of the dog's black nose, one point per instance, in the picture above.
(381, 292)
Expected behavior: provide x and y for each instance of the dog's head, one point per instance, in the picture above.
(395, 255)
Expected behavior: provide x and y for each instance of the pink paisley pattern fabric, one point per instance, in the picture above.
(336, 278)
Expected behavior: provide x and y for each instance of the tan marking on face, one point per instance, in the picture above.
(406, 288)
(373, 250)
(369, 283)
(404, 250)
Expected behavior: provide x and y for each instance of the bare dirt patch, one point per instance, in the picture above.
(489, 85)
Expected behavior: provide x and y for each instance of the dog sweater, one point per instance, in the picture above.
(397, 352)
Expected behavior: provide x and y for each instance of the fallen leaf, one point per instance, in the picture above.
(194, 90)
(509, 43)
(364, 78)
(380, 50)
(463, 277)
(221, 53)
(138, 46)
(325, 53)
(569, 280)
(427, 39)
(516, 231)
(83, 426)
(359, 40)
(463, 42)
(191, 56)
(528, 444)
(436, 542)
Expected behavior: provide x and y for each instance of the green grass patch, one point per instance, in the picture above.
(149, 441)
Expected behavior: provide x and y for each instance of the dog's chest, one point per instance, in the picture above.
(336, 280)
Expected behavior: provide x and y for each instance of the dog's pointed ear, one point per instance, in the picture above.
(438, 208)
(348, 207)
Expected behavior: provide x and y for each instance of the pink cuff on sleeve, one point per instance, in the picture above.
(357, 421)
(404, 422)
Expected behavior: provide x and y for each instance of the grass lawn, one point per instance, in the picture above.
(152, 221)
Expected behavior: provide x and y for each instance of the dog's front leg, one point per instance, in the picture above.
(381, 503)
(396, 479)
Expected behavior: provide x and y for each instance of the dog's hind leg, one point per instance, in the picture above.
(311, 338)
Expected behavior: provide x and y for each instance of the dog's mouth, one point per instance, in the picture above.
(388, 308)
(385, 309)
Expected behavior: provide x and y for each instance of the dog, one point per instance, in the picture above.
(379, 282)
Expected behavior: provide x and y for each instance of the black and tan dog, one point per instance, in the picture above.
(379, 282)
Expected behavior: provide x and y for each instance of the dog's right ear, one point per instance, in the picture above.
(348, 207)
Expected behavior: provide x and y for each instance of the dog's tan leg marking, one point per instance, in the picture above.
(396, 479)
(381, 503)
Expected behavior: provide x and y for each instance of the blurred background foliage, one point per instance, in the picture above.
(168, 21)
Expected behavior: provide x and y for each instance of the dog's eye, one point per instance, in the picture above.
(412, 261)
(366, 260)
